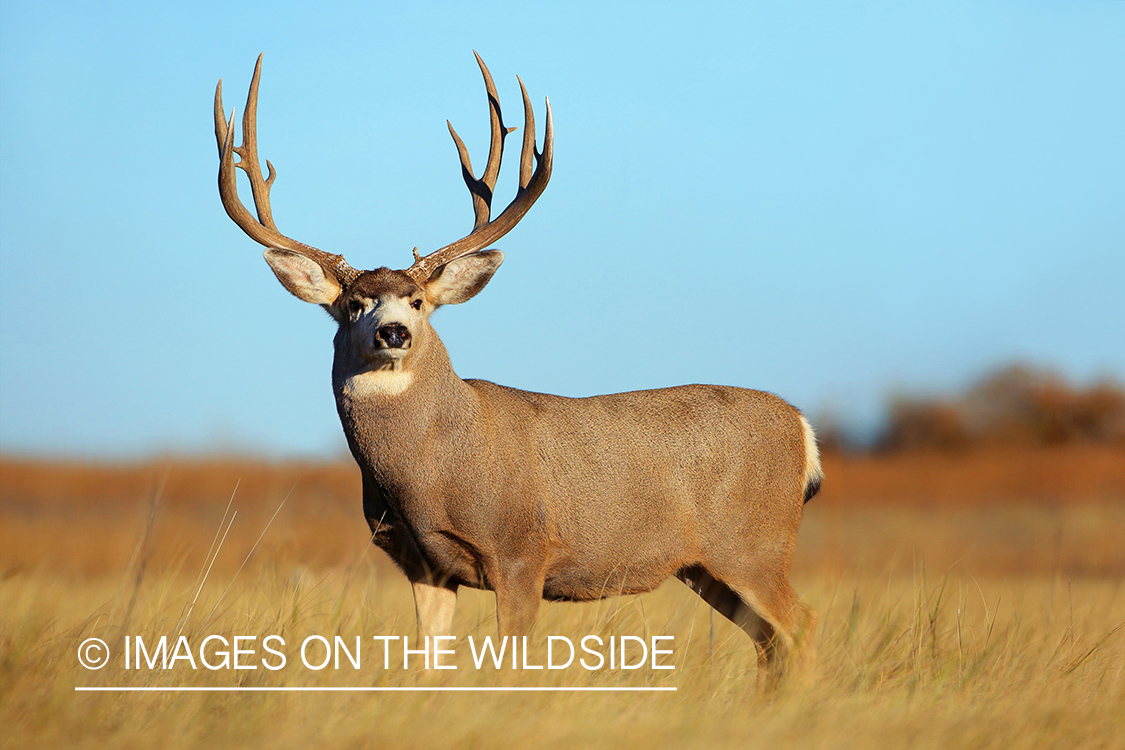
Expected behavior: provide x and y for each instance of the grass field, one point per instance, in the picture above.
(965, 601)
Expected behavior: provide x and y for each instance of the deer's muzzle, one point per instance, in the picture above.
(392, 336)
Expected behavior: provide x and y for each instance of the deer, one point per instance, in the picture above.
(535, 496)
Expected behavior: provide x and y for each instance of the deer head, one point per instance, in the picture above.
(383, 314)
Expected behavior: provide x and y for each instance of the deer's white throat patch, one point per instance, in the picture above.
(384, 383)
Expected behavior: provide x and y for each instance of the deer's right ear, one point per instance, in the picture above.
(459, 280)
(304, 277)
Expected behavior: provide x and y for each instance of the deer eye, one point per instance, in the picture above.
(355, 306)
(416, 304)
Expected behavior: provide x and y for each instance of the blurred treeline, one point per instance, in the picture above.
(1014, 406)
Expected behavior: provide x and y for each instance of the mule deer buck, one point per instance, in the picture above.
(534, 496)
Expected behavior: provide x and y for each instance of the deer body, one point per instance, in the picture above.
(602, 495)
(533, 496)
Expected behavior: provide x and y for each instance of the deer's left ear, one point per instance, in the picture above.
(303, 276)
(459, 280)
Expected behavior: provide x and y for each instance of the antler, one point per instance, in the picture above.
(531, 187)
(262, 229)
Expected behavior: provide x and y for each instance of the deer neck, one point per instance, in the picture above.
(386, 410)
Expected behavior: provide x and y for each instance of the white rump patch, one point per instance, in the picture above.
(813, 472)
(378, 383)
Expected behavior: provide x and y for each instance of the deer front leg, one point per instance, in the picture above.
(518, 592)
(434, 604)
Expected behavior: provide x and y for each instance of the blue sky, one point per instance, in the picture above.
(830, 201)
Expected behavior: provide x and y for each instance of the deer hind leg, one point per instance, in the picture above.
(731, 606)
(780, 625)
(791, 626)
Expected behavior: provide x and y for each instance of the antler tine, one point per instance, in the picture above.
(220, 119)
(528, 137)
(248, 152)
(483, 188)
(261, 229)
(532, 184)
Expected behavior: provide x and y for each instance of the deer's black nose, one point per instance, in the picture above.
(393, 335)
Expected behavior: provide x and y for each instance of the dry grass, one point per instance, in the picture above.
(953, 614)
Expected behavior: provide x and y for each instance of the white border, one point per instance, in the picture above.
(180, 689)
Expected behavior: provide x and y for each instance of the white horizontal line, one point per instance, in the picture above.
(184, 689)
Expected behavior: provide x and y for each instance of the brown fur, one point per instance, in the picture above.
(469, 483)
